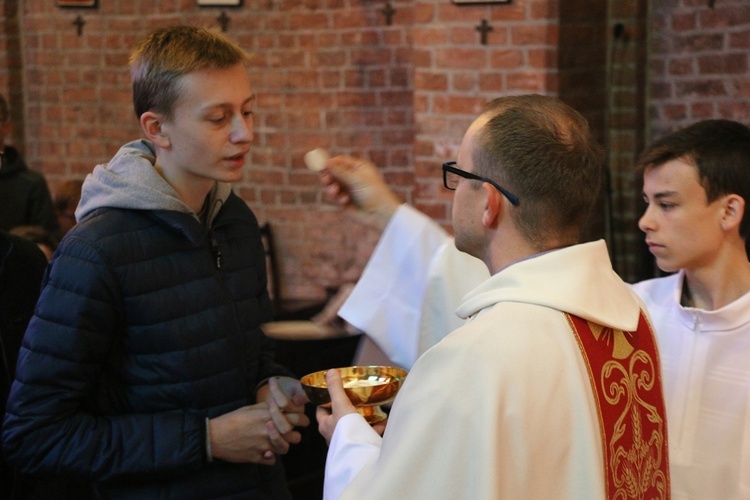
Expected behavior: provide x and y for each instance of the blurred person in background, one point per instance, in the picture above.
(24, 196)
(66, 199)
(46, 241)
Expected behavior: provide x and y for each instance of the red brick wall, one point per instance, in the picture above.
(10, 67)
(700, 63)
(332, 73)
(454, 75)
(328, 73)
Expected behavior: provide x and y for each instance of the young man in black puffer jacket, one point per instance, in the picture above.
(144, 369)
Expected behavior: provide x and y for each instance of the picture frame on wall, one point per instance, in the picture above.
(219, 3)
(76, 3)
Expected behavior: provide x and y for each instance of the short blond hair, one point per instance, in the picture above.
(166, 54)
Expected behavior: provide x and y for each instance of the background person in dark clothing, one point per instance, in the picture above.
(21, 270)
(46, 241)
(22, 266)
(24, 196)
(66, 199)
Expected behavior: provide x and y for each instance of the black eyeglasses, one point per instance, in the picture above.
(451, 173)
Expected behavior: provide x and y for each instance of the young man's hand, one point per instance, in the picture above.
(286, 402)
(259, 432)
(248, 434)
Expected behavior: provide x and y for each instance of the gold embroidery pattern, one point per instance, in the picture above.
(636, 462)
(621, 346)
(624, 372)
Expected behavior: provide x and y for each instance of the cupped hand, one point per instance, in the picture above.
(286, 403)
(288, 394)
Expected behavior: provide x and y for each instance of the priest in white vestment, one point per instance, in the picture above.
(503, 406)
(705, 348)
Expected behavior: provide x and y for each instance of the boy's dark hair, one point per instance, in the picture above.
(718, 149)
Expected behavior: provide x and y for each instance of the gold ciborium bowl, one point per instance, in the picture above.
(368, 387)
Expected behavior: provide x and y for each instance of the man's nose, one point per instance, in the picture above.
(242, 129)
(645, 223)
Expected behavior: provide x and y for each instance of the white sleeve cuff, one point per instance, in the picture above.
(354, 445)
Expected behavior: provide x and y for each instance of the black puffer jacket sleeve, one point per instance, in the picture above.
(64, 412)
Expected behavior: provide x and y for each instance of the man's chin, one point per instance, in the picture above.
(666, 266)
(469, 249)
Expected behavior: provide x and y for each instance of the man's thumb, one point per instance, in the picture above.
(335, 387)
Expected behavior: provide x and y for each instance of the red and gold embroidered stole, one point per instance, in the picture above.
(625, 378)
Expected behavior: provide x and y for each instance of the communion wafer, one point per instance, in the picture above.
(316, 159)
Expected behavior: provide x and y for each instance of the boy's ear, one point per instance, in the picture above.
(152, 125)
(734, 210)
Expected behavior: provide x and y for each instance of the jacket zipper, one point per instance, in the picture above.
(216, 251)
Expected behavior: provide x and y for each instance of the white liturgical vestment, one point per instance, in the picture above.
(706, 372)
(407, 295)
(502, 407)
(705, 354)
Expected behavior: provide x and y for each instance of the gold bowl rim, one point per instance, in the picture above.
(375, 394)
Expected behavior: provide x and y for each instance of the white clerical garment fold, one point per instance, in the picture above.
(407, 295)
(502, 407)
(706, 372)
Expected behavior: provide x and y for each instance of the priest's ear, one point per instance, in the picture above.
(152, 124)
(494, 209)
